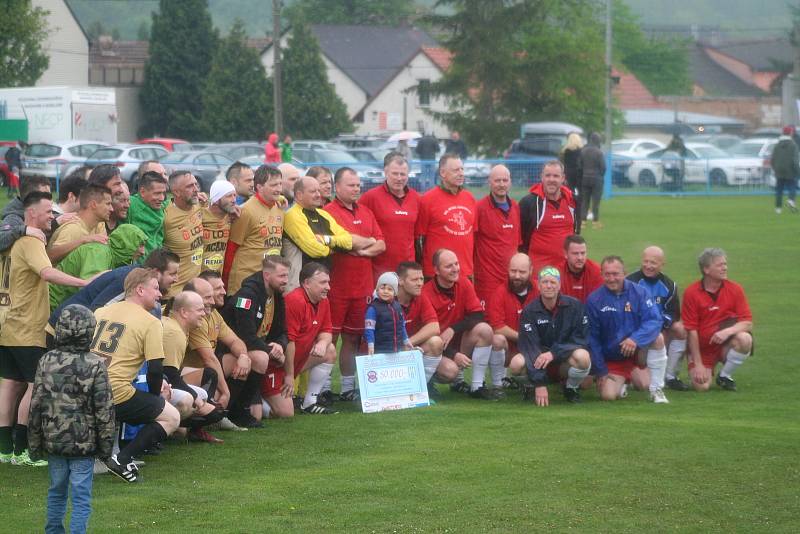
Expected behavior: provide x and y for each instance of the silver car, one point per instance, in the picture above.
(206, 166)
(56, 160)
(127, 158)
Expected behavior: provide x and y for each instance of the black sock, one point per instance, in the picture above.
(199, 421)
(251, 390)
(235, 387)
(149, 435)
(20, 438)
(6, 442)
(209, 381)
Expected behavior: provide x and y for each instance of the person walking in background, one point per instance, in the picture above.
(456, 145)
(286, 148)
(427, 150)
(785, 164)
(570, 157)
(14, 162)
(272, 152)
(593, 170)
(403, 149)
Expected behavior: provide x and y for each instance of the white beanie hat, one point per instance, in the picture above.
(219, 189)
(390, 279)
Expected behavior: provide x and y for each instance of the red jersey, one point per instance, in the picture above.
(704, 312)
(418, 313)
(447, 221)
(580, 286)
(504, 308)
(556, 222)
(453, 304)
(304, 322)
(397, 217)
(351, 276)
(497, 238)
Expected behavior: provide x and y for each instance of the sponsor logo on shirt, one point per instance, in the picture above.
(457, 219)
(557, 216)
(527, 327)
(542, 321)
(628, 306)
(508, 226)
(400, 212)
(608, 309)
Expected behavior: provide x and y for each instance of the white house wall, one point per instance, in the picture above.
(390, 102)
(66, 45)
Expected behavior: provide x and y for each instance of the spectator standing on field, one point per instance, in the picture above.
(570, 157)
(456, 145)
(593, 170)
(286, 149)
(14, 162)
(71, 417)
(427, 150)
(785, 164)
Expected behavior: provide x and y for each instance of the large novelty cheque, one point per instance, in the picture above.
(392, 381)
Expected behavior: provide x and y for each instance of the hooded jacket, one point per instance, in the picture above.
(272, 151)
(13, 225)
(532, 209)
(91, 258)
(245, 312)
(72, 411)
(784, 161)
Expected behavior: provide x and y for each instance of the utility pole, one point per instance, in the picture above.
(791, 85)
(277, 92)
(607, 143)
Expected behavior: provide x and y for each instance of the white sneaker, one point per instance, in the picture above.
(792, 205)
(623, 392)
(778, 211)
(658, 397)
(590, 216)
(227, 424)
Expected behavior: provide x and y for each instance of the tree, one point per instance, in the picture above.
(24, 59)
(662, 65)
(143, 33)
(382, 12)
(311, 107)
(545, 62)
(237, 97)
(182, 44)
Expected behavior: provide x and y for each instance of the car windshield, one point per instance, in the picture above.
(746, 149)
(334, 156)
(172, 157)
(106, 153)
(42, 151)
(621, 147)
(710, 152)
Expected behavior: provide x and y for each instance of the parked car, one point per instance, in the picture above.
(206, 166)
(257, 161)
(56, 160)
(127, 158)
(703, 163)
(635, 148)
(754, 147)
(170, 144)
(368, 154)
(723, 141)
(336, 159)
(359, 141)
(237, 151)
(318, 145)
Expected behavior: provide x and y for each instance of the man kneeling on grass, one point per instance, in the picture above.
(553, 338)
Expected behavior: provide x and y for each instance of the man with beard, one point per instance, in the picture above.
(217, 218)
(580, 276)
(120, 203)
(503, 312)
(290, 175)
(183, 227)
(257, 231)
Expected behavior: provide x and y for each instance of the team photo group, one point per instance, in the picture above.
(135, 316)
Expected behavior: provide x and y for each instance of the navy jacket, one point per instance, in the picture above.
(385, 326)
(613, 318)
(561, 332)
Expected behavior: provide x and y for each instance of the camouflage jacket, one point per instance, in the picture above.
(72, 413)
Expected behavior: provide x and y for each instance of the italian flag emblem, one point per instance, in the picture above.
(243, 303)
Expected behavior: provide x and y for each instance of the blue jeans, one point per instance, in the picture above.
(75, 474)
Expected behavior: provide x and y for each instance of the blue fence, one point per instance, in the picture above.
(625, 176)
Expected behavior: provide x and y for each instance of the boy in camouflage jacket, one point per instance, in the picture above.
(72, 417)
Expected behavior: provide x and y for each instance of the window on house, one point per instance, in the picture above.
(424, 92)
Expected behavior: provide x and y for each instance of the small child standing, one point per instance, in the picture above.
(71, 418)
(385, 325)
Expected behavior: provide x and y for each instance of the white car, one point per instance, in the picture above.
(56, 159)
(703, 163)
(635, 148)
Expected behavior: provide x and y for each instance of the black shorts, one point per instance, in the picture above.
(140, 409)
(20, 363)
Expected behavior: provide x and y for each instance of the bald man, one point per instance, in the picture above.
(665, 294)
(290, 175)
(497, 236)
(503, 311)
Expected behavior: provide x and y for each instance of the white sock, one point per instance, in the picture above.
(348, 383)
(265, 409)
(657, 366)
(480, 361)
(674, 352)
(431, 363)
(316, 378)
(732, 360)
(575, 376)
(497, 367)
(328, 384)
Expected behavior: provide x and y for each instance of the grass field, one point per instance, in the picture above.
(709, 462)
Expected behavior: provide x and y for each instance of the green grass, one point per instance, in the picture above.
(706, 462)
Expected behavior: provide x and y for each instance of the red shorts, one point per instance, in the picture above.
(622, 368)
(347, 314)
(273, 379)
(709, 359)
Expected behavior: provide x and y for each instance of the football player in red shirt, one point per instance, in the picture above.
(579, 275)
(718, 321)
(396, 207)
(497, 236)
(351, 279)
(447, 218)
(464, 331)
